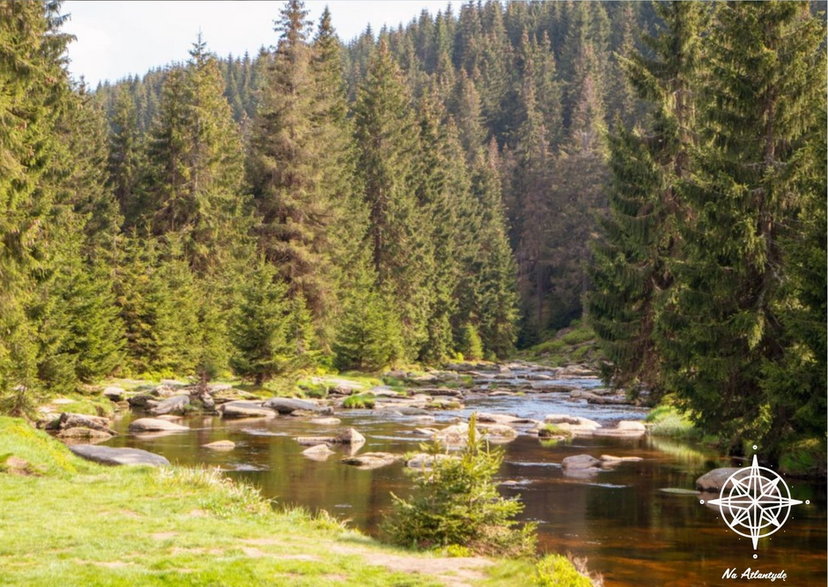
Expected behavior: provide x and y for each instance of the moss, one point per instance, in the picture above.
(551, 430)
(359, 401)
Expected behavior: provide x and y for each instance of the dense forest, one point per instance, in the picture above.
(453, 187)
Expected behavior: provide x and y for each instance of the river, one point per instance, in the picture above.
(631, 531)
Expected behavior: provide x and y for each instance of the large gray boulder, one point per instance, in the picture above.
(176, 404)
(287, 405)
(245, 409)
(580, 462)
(114, 393)
(713, 481)
(155, 425)
(108, 455)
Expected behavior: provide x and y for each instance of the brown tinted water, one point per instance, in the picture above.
(631, 531)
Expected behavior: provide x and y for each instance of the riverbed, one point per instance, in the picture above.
(622, 520)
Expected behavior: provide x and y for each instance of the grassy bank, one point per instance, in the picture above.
(70, 522)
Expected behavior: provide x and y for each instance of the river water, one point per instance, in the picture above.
(631, 531)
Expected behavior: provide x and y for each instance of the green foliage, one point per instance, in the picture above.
(669, 421)
(369, 336)
(259, 326)
(470, 344)
(803, 458)
(555, 570)
(550, 430)
(359, 401)
(456, 502)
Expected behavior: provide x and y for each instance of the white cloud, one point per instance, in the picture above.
(116, 39)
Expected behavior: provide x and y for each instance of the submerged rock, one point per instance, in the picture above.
(425, 460)
(220, 445)
(245, 409)
(580, 462)
(624, 429)
(326, 421)
(318, 452)
(286, 405)
(316, 440)
(609, 459)
(155, 425)
(372, 460)
(108, 455)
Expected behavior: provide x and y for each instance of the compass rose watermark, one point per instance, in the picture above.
(755, 502)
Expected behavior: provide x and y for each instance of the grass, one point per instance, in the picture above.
(668, 421)
(73, 522)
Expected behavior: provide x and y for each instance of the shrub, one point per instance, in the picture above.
(471, 345)
(455, 502)
(555, 570)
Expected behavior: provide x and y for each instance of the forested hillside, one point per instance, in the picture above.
(460, 185)
(537, 84)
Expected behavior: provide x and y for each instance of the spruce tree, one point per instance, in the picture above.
(259, 327)
(629, 274)
(299, 165)
(387, 144)
(35, 92)
(195, 176)
(721, 327)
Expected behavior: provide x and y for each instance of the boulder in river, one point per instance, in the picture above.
(287, 405)
(486, 418)
(609, 459)
(220, 445)
(454, 435)
(497, 433)
(318, 452)
(142, 401)
(81, 432)
(425, 460)
(326, 421)
(245, 409)
(580, 462)
(69, 420)
(350, 436)
(371, 460)
(713, 481)
(624, 429)
(155, 425)
(114, 393)
(176, 404)
(108, 455)
(316, 440)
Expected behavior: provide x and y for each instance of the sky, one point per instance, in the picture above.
(117, 39)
